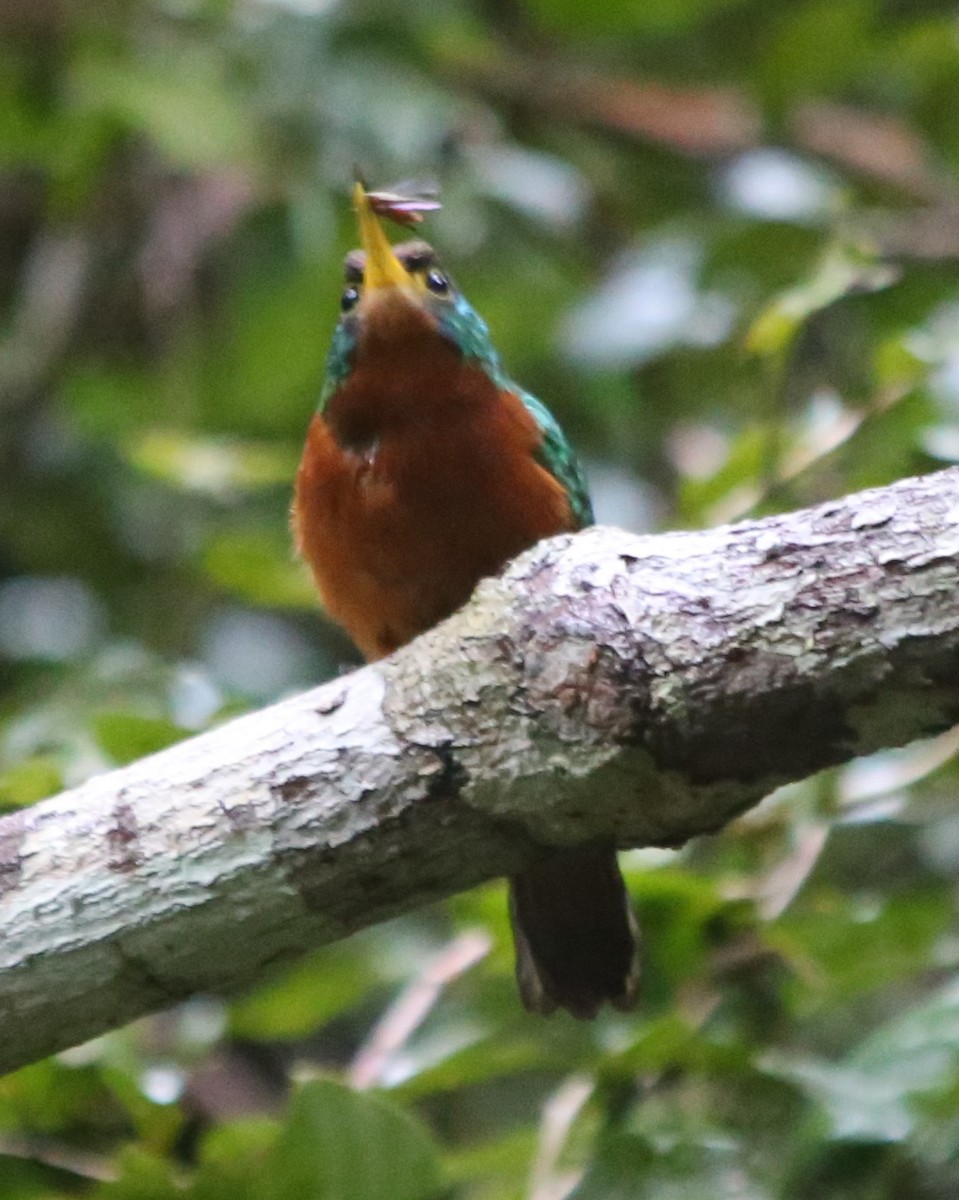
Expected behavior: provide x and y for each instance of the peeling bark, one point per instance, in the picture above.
(636, 690)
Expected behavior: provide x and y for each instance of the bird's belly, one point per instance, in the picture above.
(398, 542)
(388, 569)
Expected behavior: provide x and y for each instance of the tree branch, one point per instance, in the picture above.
(608, 686)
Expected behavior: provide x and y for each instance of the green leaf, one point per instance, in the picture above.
(218, 467)
(344, 1145)
(29, 781)
(842, 271)
(183, 101)
(819, 46)
(506, 1157)
(49, 1096)
(874, 1094)
(433, 1066)
(143, 1176)
(234, 1159)
(128, 736)
(858, 1105)
(321, 987)
(673, 1167)
(260, 567)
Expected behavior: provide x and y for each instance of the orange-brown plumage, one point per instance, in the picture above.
(417, 480)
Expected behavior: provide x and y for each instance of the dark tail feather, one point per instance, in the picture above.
(575, 934)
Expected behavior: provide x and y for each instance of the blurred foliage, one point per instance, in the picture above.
(721, 239)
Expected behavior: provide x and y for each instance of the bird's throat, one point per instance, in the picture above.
(406, 379)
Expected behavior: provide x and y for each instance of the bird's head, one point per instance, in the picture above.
(396, 294)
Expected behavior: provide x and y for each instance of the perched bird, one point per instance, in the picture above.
(425, 469)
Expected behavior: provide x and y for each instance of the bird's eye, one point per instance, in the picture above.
(437, 282)
(349, 298)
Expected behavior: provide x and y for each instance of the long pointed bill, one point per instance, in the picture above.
(383, 269)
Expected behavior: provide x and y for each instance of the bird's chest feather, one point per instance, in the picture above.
(412, 489)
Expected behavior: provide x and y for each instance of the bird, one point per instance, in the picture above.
(426, 469)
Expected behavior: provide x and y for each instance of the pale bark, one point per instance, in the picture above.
(635, 689)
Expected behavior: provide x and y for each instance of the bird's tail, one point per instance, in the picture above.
(575, 933)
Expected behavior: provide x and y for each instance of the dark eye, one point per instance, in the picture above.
(349, 298)
(437, 282)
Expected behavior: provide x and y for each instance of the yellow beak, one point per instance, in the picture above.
(383, 269)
